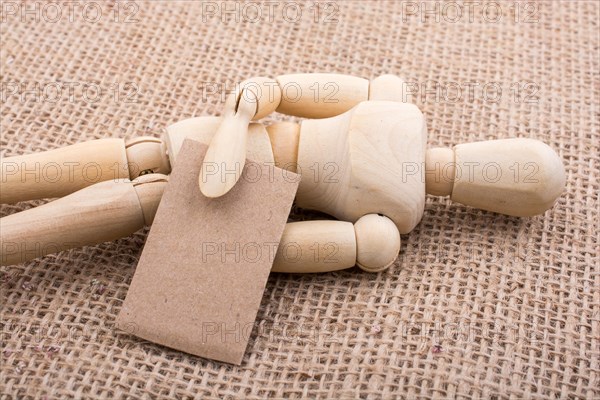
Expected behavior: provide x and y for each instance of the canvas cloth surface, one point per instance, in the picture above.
(478, 304)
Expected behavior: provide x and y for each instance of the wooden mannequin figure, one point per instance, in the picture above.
(361, 155)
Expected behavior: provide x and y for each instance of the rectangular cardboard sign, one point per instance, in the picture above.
(202, 274)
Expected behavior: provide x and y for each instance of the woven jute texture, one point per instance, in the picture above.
(478, 304)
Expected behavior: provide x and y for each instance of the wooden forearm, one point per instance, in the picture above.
(372, 243)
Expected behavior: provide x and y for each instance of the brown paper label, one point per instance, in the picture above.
(201, 276)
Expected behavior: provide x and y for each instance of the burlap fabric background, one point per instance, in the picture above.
(478, 305)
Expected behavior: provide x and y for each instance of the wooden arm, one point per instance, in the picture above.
(318, 95)
(372, 243)
(226, 156)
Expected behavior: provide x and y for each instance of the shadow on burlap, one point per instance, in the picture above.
(478, 304)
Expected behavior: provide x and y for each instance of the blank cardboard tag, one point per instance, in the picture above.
(202, 274)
